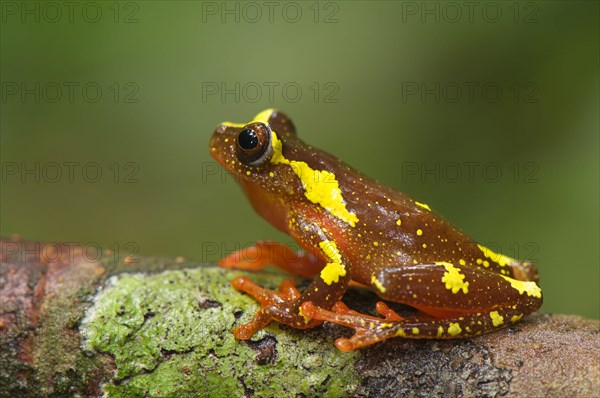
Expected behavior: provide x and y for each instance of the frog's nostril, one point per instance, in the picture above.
(220, 129)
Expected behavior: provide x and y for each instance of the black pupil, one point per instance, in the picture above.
(248, 139)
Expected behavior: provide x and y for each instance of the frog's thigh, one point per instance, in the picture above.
(441, 289)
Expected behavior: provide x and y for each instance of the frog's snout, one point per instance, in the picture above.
(219, 142)
(217, 136)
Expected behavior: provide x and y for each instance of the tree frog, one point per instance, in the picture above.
(356, 230)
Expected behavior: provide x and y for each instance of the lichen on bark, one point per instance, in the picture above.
(165, 329)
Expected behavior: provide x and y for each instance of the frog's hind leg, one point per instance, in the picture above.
(458, 301)
(443, 289)
(370, 330)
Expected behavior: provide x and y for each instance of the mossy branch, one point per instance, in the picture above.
(162, 327)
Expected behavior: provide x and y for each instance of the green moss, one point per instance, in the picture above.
(170, 335)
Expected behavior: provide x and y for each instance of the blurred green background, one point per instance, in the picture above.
(432, 98)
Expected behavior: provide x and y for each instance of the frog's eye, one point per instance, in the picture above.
(247, 140)
(253, 143)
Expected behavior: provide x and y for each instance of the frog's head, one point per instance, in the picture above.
(276, 169)
(254, 152)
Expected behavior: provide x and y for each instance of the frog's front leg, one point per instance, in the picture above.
(284, 306)
(458, 301)
(256, 257)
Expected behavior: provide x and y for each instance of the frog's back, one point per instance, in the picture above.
(394, 229)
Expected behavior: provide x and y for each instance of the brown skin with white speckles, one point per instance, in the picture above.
(355, 229)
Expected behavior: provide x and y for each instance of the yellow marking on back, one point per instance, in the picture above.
(419, 232)
(497, 319)
(499, 258)
(440, 331)
(415, 330)
(529, 287)
(400, 333)
(321, 187)
(398, 222)
(453, 278)
(423, 205)
(375, 282)
(332, 272)
(454, 329)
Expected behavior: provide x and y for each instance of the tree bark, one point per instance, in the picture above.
(72, 323)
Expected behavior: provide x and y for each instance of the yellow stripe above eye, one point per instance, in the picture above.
(262, 117)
